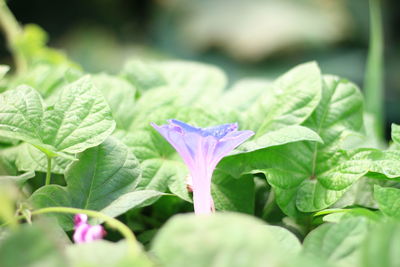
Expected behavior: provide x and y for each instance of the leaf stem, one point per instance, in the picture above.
(12, 30)
(113, 223)
(48, 173)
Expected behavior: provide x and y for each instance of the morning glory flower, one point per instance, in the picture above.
(201, 149)
(85, 232)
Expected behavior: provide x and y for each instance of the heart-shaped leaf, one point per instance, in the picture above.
(289, 101)
(102, 175)
(79, 119)
(317, 174)
(21, 115)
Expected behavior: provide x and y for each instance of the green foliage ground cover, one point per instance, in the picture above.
(311, 188)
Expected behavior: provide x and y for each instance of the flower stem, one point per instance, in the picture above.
(48, 173)
(12, 30)
(113, 223)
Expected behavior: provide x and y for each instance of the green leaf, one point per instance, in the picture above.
(120, 96)
(54, 196)
(290, 100)
(8, 157)
(80, 119)
(104, 253)
(369, 162)
(232, 194)
(9, 194)
(102, 175)
(135, 199)
(385, 162)
(38, 245)
(244, 93)
(278, 137)
(142, 75)
(227, 236)
(286, 172)
(30, 158)
(48, 79)
(380, 249)
(338, 243)
(150, 105)
(196, 83)
(388, 200)
(189, 83)
(361, 193)
(316, 175)
(17, 179)
(396, 133)
(21, 115)
(337, 215)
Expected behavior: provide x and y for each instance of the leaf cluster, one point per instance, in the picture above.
(313, 187)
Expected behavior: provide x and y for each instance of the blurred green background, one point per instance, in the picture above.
(247, 38)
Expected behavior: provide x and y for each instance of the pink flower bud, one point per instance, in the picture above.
(85, 232)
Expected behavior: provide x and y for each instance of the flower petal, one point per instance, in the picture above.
(218, 131)
(80, 233)
(80, 218)
(229, 143)
(95, 232)
(184, 126)
(175, 137)
(221, 130)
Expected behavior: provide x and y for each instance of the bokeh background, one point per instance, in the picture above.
(247, 38)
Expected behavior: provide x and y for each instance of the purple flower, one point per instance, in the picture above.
(85, 232)
(201, 149)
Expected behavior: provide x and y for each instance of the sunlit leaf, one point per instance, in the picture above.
(79, 119)
(388, 200)
(100, 176)
(227, 236)
(338, 242)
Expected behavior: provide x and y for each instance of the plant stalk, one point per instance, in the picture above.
(48, 173)
(373, 83)
(12, 30)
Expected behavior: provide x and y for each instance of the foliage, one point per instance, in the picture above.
(91, 134)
